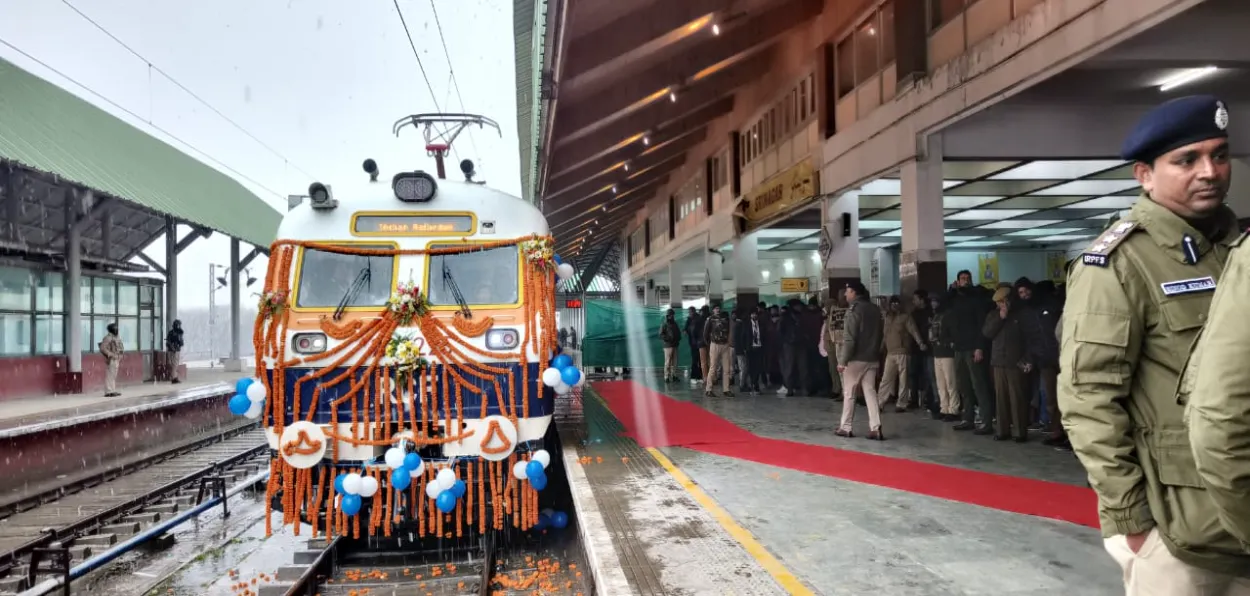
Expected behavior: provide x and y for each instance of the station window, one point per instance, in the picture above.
(866, 40)
(105, 297)
(50, 334)
(147, 330)
(845, 57)
(15, 334)
(127, 298)
(50, 291)
(887, 33)
(942, 12)
(15, 288)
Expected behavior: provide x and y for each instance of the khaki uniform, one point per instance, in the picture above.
(1136, 302)
(1216, 392)
(111, 348)
(835, 324)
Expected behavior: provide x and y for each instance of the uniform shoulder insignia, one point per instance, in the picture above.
(1099, 253)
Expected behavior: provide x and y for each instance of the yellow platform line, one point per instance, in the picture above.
(780, 573)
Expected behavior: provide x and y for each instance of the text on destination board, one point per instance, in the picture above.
(400, 225)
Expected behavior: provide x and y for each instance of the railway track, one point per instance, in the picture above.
(74, 523)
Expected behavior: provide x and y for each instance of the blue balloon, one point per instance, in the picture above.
(543, 522)
(559, 261)
(560, 520)
(241, 385)
(239, 404)
(539, 482)
(561, 361)
(338, 484)
(400, 479)
(459, 488)
(350, 504)
(570, 375)
(446, 501)
(533, 469)
(412, 461)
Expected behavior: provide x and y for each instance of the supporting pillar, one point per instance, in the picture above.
(674, 285)
(234, 364)
(922, 263)
(171, 273)
(106, 232)
(714, 277)
(72, 381)
(746, 267)
(841, 236)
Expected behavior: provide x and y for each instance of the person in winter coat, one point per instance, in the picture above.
(1015, 334)
(694, 337)
(717, 336)
(670, 334)
(942, 344)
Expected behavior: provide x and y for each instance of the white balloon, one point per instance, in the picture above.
(368, 486)
(542, 457)
(581, 380)
(564, 271)
(254, 411)
(351, 484)
(432, 489)
(417, 472)
(446, 478)
(518, 470)
(562, 389)
(394, 458)
(256, 392)
(551, 377)
(547, 512)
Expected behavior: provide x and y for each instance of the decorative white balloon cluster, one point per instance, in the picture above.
(562, 375)
(353, 488)
(446, 490)
(249, 398)
(534, 470)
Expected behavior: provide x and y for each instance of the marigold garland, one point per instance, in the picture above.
(374, 377)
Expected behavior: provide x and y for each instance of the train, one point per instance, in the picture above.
(404, 333)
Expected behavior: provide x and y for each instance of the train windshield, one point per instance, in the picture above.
(484, 278)
(326, 277)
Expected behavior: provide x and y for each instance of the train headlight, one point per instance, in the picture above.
(414, 187)
(321, 197)
(309, 343)
(502, 339)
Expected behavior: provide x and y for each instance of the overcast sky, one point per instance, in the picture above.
(318, 82)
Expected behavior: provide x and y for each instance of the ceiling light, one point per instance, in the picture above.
(613, 189)
(646, 140)
(715, 29)
(672, 96)
(1185, 77)
(626, 166)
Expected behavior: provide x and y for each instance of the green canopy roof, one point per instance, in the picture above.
(47, 128)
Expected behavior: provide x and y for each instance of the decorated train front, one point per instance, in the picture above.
(406, 360)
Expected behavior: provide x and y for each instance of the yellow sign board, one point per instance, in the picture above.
(782, 192)
(794, 285)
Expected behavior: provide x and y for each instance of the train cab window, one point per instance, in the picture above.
(484, 277)
(325, 278)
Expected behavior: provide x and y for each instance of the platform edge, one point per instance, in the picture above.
(605, 563)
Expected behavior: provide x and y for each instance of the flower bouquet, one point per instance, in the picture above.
(404, 356)
(272, 303)
(540, 252)
(407, 303)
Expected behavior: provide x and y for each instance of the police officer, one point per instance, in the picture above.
(1216, 392)
(1137, 298)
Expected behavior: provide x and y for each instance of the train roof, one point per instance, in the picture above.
(509, 216)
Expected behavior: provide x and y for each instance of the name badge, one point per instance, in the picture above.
(1188, 286)
(1096, 260)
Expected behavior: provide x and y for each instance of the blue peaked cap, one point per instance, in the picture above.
(1174, 124)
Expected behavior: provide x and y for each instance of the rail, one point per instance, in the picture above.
(323, 565)
(87, 524)
(49, 585)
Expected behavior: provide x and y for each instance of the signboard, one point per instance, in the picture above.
(364, 224)
(826, 245)
(572, 303)
(781, 193)
(794, 285)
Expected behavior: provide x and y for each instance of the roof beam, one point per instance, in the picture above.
(151, 263)
(585, 118)
(634, 190)
(636, 179)
(644, 127)
(196, 232)
(618, 163)
(654, 26)
(588, 274)
(247, 260)
(134, 252)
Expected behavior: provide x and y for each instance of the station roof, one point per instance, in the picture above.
(47, 129)
(637, 86)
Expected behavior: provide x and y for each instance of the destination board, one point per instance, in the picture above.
(412, 225)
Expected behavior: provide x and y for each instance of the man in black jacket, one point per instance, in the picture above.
(173, 345)
(969, 304)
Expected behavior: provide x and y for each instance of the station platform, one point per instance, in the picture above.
(681, 494)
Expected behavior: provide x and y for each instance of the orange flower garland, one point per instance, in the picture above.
(363, 343)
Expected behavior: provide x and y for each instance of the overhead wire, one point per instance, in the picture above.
(421, 65)
(149, 122)
(454, 83)
(177, 83)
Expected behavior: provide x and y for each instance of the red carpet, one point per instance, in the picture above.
(672, 422)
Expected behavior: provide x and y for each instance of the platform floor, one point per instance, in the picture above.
(680, 521)
(46, 408)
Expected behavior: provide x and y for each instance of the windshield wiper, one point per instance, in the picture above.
(450, 283)
(362, 279)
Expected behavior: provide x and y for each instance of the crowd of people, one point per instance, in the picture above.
(983, 359)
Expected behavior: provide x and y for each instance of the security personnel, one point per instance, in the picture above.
(1137, 298)
(1216, 392)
